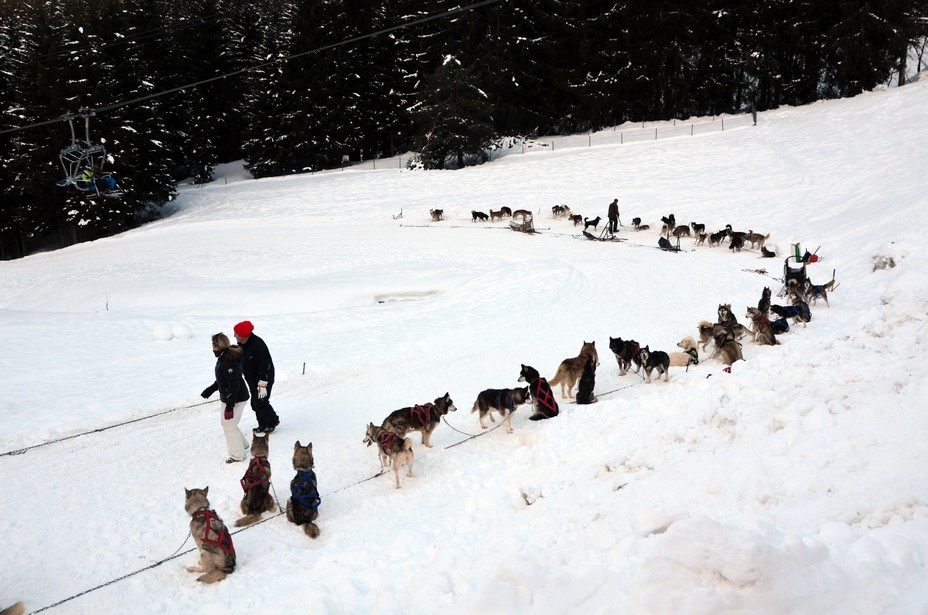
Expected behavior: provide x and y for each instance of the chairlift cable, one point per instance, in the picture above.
(449, 13)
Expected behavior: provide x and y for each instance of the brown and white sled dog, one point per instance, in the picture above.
(217, 554)
(503, 401)
(763, 331)
(424, 418)
(726, 347)
(394, 450)
(256, 483)
(688, 357)
(570, 370)
(303, 505)
(542, 396)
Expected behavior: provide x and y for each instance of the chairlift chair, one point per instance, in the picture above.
(81, 155)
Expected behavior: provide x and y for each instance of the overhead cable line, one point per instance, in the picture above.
(355, 39)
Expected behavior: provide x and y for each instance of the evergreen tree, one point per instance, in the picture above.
(453, 116)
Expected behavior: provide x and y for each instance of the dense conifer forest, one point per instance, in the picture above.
(291, 86)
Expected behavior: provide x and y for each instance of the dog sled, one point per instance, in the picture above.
(604, 235)
(523, 225)
(794, 276)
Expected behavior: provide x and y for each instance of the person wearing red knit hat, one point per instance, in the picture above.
(258, 370)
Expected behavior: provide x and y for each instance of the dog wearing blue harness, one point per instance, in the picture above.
(303, 505)
(503, 401)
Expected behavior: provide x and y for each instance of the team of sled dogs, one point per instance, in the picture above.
(395, 448)
(737, 240)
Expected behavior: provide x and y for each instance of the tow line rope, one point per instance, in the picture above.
(280, 510)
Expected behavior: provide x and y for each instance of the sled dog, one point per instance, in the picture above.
(763, 306)
(503, 401)
(587, 383)
(436, 214)
(763, 331)
(217, 554)
(304, 501)
(542, 396)
(394, 450)
(570, 370)
(626, 353)
(688, 357)
(478, 215)
(256, 483)
(814, 292)
(587, 223)
(655, 360)
(424, 418)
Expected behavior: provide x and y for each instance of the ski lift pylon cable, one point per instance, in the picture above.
(415, 22)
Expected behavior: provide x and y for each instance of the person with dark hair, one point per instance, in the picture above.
(233, 393)
(258, 369)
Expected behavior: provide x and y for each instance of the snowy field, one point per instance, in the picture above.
(797, 483)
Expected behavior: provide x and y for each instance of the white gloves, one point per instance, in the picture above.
(262, 389)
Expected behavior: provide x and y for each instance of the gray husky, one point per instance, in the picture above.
(217, 554)
(303, 505)
(503, 401)
(256, 483)
(424, 418)
(393, 449)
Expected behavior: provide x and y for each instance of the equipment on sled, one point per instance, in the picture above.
(664, 244)
(83, 160)
(604, 235)
(525, 226)
(794, 277)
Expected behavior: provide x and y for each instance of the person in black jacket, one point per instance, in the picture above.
(258, 369)
(233, 393)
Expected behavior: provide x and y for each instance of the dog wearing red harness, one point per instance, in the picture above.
(217, 554)
(394, 450)
(763, 331)
(256, 483)
(542, 396)
(424, 418)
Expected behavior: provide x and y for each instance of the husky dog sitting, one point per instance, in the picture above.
(587, 383)
(763, 306)
(394, 450)
(570, 370)
(217, 554)
(256, 483)
(424, 418)
(503, 401)
(726, 347)
(728, 320)
(542, 397)
(763, 331)
(626, 353)
(304, 501)
(656, 360)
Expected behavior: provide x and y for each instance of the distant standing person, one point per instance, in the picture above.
(613, 216)
(258, 369)
(233, 393)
